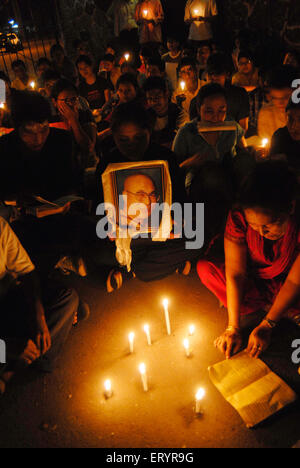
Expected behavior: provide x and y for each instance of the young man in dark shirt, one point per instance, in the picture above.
(95, 89)
(38, 161)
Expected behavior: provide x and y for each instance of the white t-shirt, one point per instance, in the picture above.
(14, 260)
(200, 30)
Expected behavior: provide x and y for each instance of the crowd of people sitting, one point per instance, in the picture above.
(144, 101)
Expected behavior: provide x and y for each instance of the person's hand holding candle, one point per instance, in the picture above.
(263, 150)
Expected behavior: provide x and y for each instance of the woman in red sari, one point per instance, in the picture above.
(260, 281)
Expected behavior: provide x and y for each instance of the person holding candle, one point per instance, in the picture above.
(260, 281)
(172, 59)
(169, 116)
(23, 78)
(188, 85)
(199, 15)
(149, 15)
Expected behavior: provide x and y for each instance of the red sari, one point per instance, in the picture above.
(265, 275)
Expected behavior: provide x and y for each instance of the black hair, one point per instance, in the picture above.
(50, 75)
(157, 62)
(56, 48)
(129, 64)
(29, 106)
(109, 58)
(17, 63)
(84, 59)
(132, 112)
(219, 64)
(127, 78)
(246, 54)
(270, 186)
(211, 89)
(42, 61)
(155, 82)
(292, 104)
(186, 62)
(62, 85)
(282, 77)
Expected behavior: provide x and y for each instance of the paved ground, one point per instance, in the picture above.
(67, 408)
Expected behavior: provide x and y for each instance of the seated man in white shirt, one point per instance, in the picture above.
(34, 321)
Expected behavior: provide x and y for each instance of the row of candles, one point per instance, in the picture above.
(142, 367)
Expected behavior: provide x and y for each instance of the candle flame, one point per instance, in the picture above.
(182, 85)
(186, 343)
(145, 12)
(165, 303)
(107, 385)
(146, 328)
(200, 394)
(32, 84)
(196, 12)
(2, 105)
(131, 337)
(127, 56)
(265, 142)
(142, 368)
(191, 329)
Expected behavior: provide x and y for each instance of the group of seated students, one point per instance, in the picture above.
(58, 139)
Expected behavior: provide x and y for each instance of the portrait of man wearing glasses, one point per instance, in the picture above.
(139, 198)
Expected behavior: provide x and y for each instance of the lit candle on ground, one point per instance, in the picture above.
(183, 86)
(32, 84)
(191, 330)
(145, 13)
(167, 318)
(131, 341)
(186, 345)
(107, 389)
(127, 57)
(142, 369)
(199, 397)
(147, 331)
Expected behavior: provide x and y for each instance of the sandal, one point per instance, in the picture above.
(82, 314)
(114, 280)
(185, 269)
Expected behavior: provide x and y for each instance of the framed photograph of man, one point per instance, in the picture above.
(141, 194)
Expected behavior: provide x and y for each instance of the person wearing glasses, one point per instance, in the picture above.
(248, 74)
(79, 121)
(188, 84)
(139, 190)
